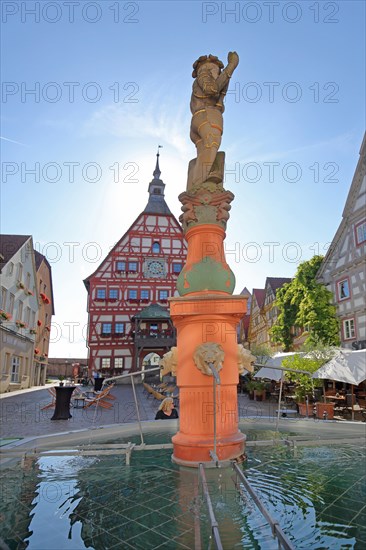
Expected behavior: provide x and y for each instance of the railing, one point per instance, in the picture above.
(277, 532)
(131, 375)
(214, 524)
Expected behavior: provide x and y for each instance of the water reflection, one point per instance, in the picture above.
(81, 502)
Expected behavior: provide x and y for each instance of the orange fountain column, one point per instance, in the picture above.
(207, 313)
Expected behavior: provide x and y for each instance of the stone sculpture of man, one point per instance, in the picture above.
(207, 105)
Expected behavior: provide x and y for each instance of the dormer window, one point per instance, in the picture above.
(156, 248)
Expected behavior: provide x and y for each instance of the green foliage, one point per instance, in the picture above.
(305, 303)
(262, 353)
(255, 385)
(304, 382)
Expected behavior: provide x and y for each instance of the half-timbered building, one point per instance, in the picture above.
(128, 293)
(343, 268)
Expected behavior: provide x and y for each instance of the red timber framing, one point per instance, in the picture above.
(139, 274)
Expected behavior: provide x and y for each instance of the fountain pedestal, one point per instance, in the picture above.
(207, 313)
(203, 319)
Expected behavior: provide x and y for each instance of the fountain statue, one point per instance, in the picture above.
(207, 359)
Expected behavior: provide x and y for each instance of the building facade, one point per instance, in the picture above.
(45, 312)
(140, 271)
(343, 268)
(264, 313)
(21, 314)
(18, 313)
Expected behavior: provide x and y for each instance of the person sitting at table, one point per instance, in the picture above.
(166, 410)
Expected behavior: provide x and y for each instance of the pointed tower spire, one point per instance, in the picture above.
(157, 171)
(156, 203)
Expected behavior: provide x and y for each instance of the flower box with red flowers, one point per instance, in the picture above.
(20, 324)
(44, 298)
(32, 331)
(5, 315)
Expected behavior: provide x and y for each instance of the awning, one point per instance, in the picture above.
(347, 366)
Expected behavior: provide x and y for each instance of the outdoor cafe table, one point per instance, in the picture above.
(335, 398)
(62, 407)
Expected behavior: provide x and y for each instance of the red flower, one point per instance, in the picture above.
(36, 351)
(39, 323)
(47, 301)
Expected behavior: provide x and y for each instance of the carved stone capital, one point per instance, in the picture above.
(205, 207)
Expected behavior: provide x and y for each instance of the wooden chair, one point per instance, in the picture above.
(100, 399)
(52, 391)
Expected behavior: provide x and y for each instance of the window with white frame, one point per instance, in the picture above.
(28, 279)
(11, 303)
(20, 311)
(10, 268)
(349, 329)
(132, 294)
(113, 293)
(20, 272)
(360, 232)
(4, 294)
(118, 362)
(163, 295)
(101, 293)
(343, 289)
(27, 315)
(15, 369)
(119, 328)
(145, 295)
(177, 267)
(33, 319)
(156, 248)
(106, 329)
(121, 266)
(106, 362)
(132, 267)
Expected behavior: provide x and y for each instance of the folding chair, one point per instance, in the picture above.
(52, 391)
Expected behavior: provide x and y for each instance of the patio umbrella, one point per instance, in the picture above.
(270, 371)
(346, 366)
(271, 374)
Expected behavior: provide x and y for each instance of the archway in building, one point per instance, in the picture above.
(150, 361)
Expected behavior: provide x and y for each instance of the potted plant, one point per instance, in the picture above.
(305, 384)
(61, 380)
(250, 385)
(4, 315)
(259, 391)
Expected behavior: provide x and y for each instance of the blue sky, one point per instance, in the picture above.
(113, 80)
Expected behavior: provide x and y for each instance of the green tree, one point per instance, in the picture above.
(307, 304)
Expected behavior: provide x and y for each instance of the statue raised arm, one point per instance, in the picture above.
(207, 105)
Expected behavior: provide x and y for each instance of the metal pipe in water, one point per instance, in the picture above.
(216, 380)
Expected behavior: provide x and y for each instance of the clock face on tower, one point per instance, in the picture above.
(155, 268)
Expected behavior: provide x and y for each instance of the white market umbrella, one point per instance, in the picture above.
(347, 366)
(271, 374)
(270, 371)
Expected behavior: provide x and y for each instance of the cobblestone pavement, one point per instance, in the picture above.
(21, 414)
